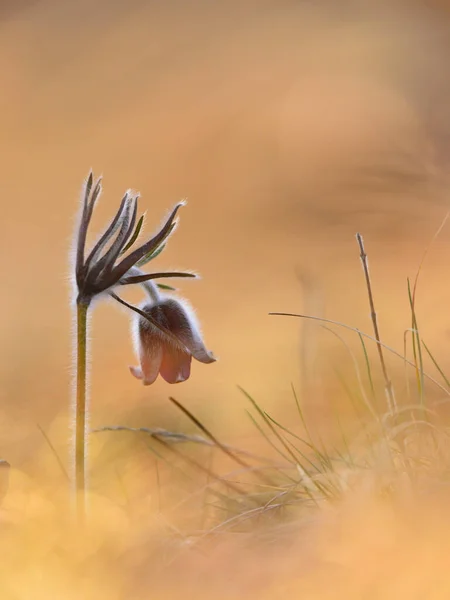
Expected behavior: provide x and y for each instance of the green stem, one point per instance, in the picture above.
(81, 412)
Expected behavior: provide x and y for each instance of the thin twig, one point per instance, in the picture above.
(180, 438)
(199, 466)
(388, 383)
(433, 239)
(214, 439)
(53, 451)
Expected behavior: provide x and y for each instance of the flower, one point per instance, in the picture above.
(102, 270)
(167, 348)
(168, 335)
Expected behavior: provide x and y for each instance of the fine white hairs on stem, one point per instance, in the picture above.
(112, 261)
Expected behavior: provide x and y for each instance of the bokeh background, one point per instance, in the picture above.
(288, 125)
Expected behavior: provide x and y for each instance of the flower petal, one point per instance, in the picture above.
(150, 355)
(184, 325)
(175, 365)
(136, 372)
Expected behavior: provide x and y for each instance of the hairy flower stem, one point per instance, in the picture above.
(81, 411)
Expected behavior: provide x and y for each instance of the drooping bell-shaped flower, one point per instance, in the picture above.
(169, 348)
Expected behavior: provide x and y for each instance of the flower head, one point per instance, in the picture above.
(105, 267)
(167, 349)
(167, 332)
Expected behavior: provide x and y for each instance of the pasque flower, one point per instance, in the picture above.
(168, 331)
(160, 353)
(168, 334)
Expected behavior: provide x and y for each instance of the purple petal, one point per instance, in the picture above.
(175, 365)
(183, 324)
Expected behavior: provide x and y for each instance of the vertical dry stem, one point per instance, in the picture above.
(392, 405)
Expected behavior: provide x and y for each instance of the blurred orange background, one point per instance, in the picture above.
(288, 125)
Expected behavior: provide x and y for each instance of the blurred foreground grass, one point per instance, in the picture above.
(355, 510)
